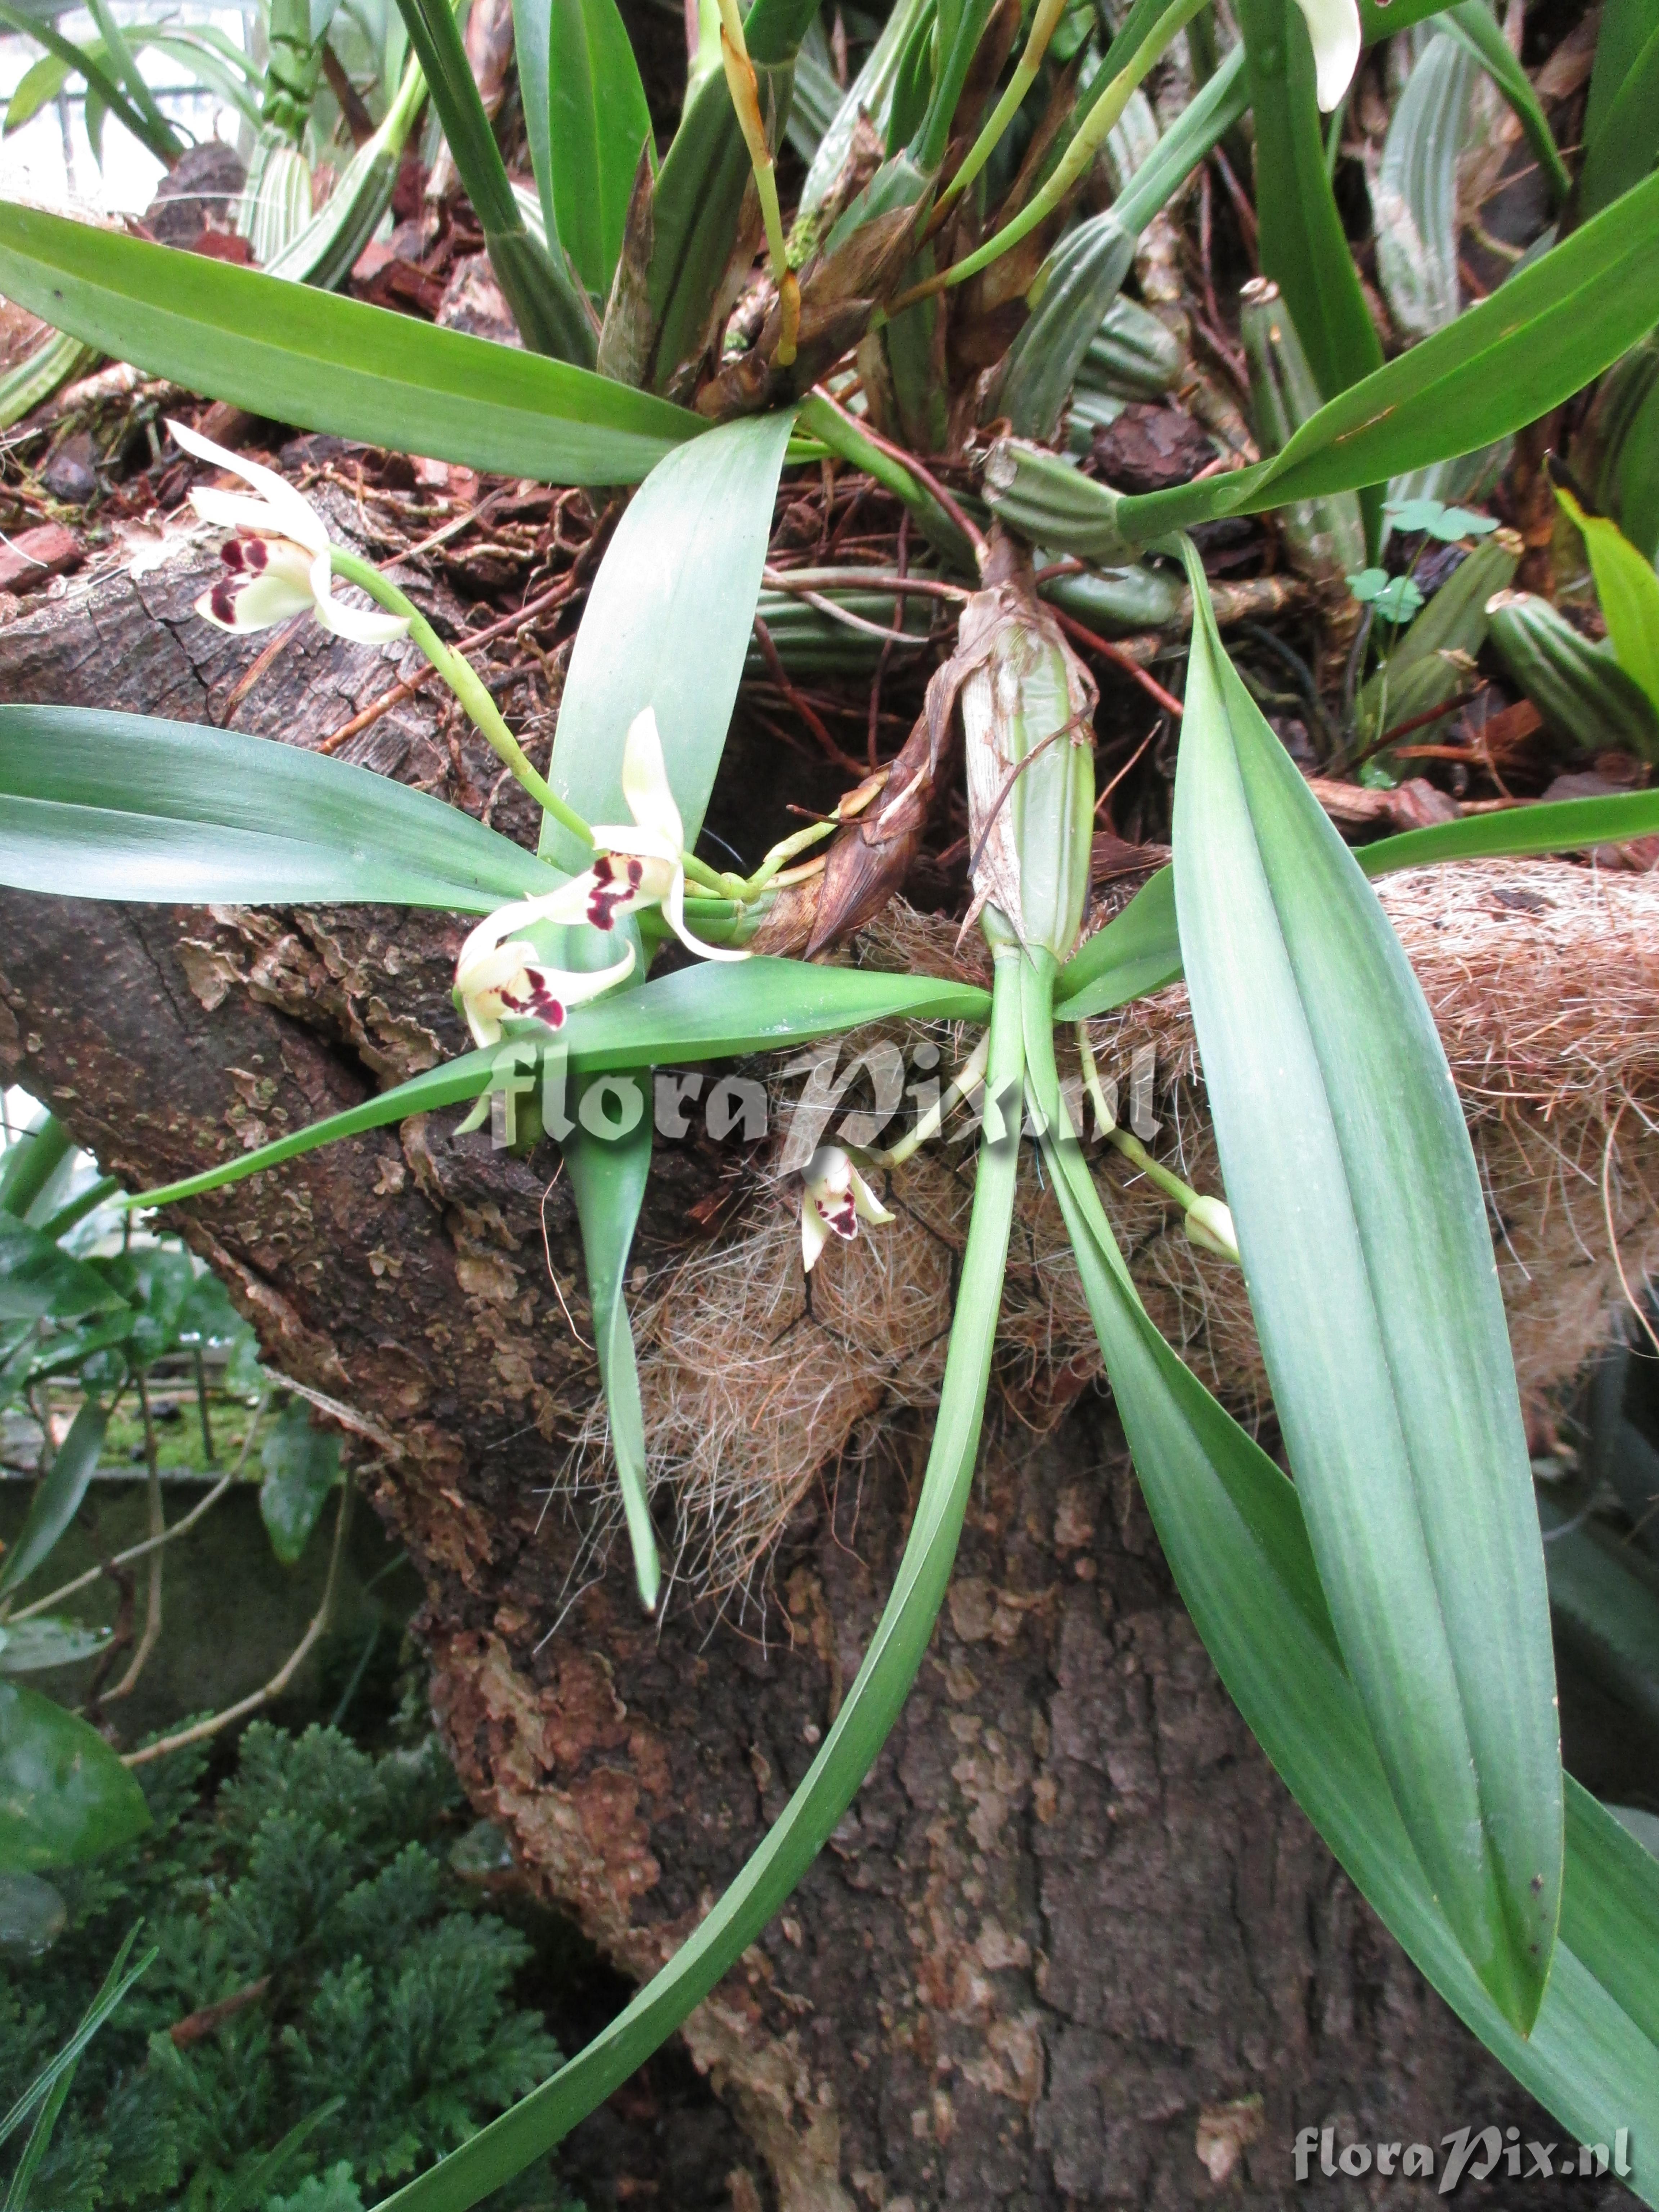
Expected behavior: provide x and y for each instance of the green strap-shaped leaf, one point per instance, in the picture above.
(57, 1501)
(667, 625)
(303, 355)
(132, 80)
(1625, 30)
(1474, 25)
(1385, 19)
(1231, 1529)
(1621, 153)
(65, 1796)
(1139, 950)
(88, 63)
(608, 1180)
(128, 806)
(586, 119)
(707, 1013)
(1302, 245)
(507, 2145)
(550, 311)
(30, 1161)
(1360, 1216)
(39, 84)
(1627, 585)
(1414, 196)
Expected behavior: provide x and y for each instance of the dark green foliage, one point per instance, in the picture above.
(387, 2020)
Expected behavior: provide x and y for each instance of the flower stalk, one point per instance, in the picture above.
(1208, 1223)
(744, 87)
(464, 681)
(1091, 134)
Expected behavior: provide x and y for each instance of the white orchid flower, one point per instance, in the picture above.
(500, 974)
(278, 564)
(835, 1199)
(1333, 27)
(641, 863)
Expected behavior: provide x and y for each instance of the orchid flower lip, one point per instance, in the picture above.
(499, 976)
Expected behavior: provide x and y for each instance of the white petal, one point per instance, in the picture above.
(297, 517)
(673, 908)
(567, 904)
(259, 603)
(235, 510)
(1333, 27)
(640, 845)
(813, 1236)
(574, 985)
(644, 782)
(869, 1207)
(362, 625)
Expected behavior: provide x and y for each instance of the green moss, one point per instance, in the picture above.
(359, 1990)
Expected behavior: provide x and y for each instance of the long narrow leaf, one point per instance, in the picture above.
(1625, 29)
(667, 625)
(1139, 950)
(1627, 585)
(701, 1014)
(29, 1163)
(609, 1181)
(507, 2145)
(1231, 1529)
(1302, 245)
(302, 356)
(1414, 197)
(586, 119)
(99, 81)
(116, 1984)
(1621, 153)
(1361, 1218)
(1473, 23)
(700, 190)
(551, 315)
(58, 1499)
(128, 806)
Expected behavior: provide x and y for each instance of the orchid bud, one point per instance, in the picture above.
(1210, 1226)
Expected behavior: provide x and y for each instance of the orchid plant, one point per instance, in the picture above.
(1381, 1618)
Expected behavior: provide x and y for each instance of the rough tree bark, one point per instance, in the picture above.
(1073, 1946)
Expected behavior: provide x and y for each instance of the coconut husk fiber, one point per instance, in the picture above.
(1544, 980)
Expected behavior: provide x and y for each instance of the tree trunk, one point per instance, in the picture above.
(1073, 1946)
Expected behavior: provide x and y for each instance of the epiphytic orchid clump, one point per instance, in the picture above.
(931, 322)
